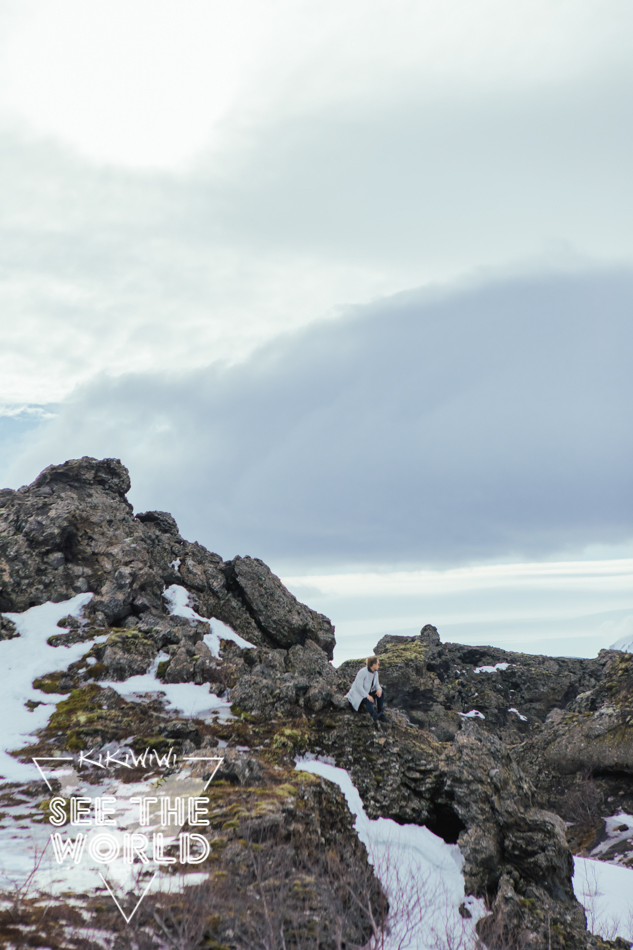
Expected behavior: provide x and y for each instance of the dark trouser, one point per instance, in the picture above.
(375, 708)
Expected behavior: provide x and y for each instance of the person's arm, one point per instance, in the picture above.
(376, 685)
(366, 683)
(361, 681)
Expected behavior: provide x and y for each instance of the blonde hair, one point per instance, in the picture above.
(371, 660)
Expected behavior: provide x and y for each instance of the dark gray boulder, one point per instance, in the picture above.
(73, 531)
(279, 615)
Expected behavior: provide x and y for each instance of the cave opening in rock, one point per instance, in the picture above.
(444, 822)
(68, 544)
(614, 773)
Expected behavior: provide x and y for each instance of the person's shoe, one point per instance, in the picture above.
(383, 717)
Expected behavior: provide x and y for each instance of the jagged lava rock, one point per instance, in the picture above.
(73, 531)
(484, 783)
(283, 619)
(435, 682)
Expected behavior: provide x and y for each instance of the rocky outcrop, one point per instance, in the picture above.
(73, 531)
(524, 754)
(281, 617)
(287, 683)
(469, 791)
(595, 731)
(514, 693)
(483, 746)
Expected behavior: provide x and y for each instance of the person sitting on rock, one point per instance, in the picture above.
(367, 691)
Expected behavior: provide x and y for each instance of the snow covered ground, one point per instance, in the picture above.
(25, 850)
(22, 660)
(188, 698)
(28, 656)
(420, 873)
(411, 862)
(606, 892)
(618, 833)
(26, 854)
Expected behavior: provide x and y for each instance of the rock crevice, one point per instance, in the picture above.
(485, 747)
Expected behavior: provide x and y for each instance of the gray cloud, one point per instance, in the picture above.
(488, 422)
(420, 182)
(108, 269)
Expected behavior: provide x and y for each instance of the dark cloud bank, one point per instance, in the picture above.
(492, 421)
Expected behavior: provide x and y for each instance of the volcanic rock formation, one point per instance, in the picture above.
(510, 756)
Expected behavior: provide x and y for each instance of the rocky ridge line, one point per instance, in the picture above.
(497, 785)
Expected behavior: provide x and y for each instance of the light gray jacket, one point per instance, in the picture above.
(363, 685)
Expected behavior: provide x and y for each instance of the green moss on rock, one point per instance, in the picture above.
(162, 669)
(79, 709)
(49, 683)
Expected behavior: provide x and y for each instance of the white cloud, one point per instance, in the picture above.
(606, 575)
(490, 423)
(140, 83)
(184, 182)
(145, 84)
(350, 151)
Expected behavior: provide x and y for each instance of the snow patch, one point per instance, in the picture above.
(190, 699)
(22, 660)
(498, 667)
(179, 601)
(516, 711)
(311, 757)
(420, 874)
(618, 828)
(28, 656)
(472, 714)
(606, 892)
(26, 854)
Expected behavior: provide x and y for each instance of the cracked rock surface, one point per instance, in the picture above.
(500, 785)
(73, 530)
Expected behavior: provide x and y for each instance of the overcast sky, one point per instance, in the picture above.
(346, 285)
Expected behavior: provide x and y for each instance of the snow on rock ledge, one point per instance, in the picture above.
(420, 874)
(179, 601)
